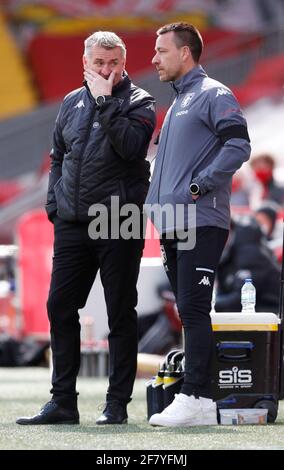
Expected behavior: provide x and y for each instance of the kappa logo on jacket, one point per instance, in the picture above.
(205, 281)
(80, 104)
(151, 106)
(222, 91)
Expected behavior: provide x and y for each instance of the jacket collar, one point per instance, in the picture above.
(189, 79)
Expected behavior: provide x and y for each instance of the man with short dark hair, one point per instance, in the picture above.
(247, 255)
(266, 216)
(100, 144)
(203, 141)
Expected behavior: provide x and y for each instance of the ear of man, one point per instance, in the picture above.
(185, 53)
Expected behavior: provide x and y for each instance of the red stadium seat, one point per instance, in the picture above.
(266, 79)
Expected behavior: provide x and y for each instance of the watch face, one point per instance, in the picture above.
(100, 100)
(194, 188)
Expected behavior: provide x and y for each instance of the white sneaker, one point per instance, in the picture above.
(209, 411)
(183, 411)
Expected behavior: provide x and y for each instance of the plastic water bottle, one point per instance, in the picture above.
(248, 295)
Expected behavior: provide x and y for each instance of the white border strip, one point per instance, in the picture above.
(205, 269)
(151, 262)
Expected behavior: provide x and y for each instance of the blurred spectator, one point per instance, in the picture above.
(247, 255)
(246, 189)
(266, 216)
(263, 166)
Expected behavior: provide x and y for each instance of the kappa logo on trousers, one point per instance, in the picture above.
(205, 281)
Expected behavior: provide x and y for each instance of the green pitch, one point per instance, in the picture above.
(24, 391)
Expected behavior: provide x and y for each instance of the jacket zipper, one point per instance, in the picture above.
(78, 176)
(164, 153)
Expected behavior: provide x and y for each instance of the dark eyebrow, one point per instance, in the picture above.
(101, 60)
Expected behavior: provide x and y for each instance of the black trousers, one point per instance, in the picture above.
(191, 274)
(77, 259)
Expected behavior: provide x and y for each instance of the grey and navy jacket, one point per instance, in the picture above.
(203, 140)
(99, 152)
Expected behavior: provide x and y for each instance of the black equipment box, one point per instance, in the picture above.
(247, 361)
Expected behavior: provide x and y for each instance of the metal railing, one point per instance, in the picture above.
(234, 69)
(24, 140)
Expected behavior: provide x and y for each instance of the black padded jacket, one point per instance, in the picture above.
(99, 152)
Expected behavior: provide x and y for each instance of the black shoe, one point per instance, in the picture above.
(114, 413)
(52, 413)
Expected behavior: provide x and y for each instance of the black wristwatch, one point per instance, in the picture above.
(194, 189)
(100, 100)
